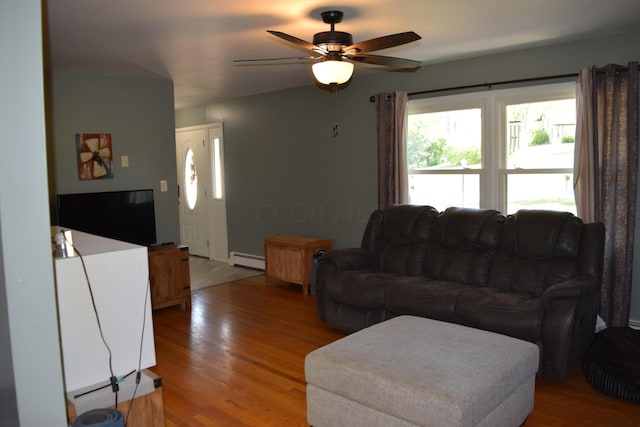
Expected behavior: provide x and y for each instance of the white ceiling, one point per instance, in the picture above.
(193, 42)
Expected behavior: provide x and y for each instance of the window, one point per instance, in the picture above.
(191, 179)
(217, 169)
(505, 149)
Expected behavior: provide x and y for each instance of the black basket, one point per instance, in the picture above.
(611, 364)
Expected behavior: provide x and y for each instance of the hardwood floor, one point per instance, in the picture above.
(237, 359)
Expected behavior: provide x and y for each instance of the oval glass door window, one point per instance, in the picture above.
(190, 180)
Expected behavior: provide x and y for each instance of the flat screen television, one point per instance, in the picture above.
(122, 215)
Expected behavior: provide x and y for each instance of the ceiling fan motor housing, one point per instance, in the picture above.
(332, 38)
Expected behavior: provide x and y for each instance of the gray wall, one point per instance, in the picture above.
(31, 384)
(286, 174)
(140, 117)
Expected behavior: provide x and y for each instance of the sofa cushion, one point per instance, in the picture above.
(529, 275)
(421, 296)
(468, 229)
(462, 244)
(457, 266)
(517, 314)
(537, 249)
(545, 234)
(363, 288)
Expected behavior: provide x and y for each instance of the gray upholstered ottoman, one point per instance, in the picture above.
(411, 371)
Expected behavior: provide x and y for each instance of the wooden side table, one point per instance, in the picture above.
(289, 257)
(169, 276)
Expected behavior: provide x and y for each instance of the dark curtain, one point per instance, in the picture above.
(605, 174)
(390, 116)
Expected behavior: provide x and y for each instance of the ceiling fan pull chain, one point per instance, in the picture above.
(334, 88)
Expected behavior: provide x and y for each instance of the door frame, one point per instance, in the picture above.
(216, 208)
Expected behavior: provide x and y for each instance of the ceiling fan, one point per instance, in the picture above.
(337, 52)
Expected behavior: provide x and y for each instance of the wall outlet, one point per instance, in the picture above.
(124, 161)
(163, 186)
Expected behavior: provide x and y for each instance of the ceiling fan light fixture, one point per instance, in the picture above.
(332, 71)
(333, 47)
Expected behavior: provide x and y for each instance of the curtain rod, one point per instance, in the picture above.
(489, 85)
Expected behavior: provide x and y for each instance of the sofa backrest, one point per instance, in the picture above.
(461, 245)
(397, 237)
(537, 249)
(528, 251)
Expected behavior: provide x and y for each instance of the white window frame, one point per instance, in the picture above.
(493, 172)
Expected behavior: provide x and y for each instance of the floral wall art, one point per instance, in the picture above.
(95, 156)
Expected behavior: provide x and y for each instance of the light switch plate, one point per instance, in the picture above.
(124, 161)
(163, 186)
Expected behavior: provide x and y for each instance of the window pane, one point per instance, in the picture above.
(444, 140)
(442, 191)
(540, 191)
(190, 179)
(217, 169)
(541, 134)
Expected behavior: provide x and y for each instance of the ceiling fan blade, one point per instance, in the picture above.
(296, 41)
(383, 42)
(387, 61)
(277, 59)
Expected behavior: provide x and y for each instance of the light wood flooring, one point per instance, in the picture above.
(205, 272)
(237, 359)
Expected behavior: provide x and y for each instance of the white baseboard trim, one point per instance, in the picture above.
(246, 260)
(634, 323)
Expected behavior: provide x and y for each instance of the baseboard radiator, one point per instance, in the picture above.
(246, 260)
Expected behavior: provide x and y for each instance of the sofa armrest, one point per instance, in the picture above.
(575, 287)
(568, 325)
(349, 259)
(334, 262)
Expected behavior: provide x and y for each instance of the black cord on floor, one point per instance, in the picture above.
(113, 380)
(139, 373)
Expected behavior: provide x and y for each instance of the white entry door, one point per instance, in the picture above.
(193, 175)
(203, 217)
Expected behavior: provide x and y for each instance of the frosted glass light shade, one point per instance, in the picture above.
(330, 72)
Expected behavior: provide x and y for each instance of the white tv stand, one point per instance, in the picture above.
(118, 273)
